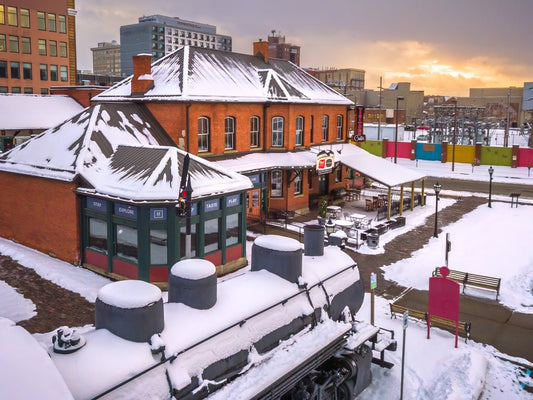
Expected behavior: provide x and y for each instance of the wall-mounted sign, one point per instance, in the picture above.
(255, 178)
(96, 204)
(212, 205)
(158, 214)
(359, 124)
(232, 201)
(125, 211)
(325, 160)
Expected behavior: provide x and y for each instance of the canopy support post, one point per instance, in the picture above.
(401, 200)
(412, 196)
(389, 202)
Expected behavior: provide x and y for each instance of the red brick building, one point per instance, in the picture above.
(37, 45)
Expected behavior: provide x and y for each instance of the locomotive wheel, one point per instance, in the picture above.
(345, 391)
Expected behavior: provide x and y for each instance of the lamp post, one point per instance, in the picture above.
(454, 133)
(437, 188)
(491, 171)
(330, 227)
(396, 132)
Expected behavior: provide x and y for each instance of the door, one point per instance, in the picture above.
(254, 204)
(323, 184)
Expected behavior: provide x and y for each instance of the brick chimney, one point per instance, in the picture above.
(142, 74)
(261, 49)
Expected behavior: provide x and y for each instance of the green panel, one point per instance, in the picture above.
(496, 156)
(143, 242)
(373, 147)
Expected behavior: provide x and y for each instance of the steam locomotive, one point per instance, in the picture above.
(286, 329)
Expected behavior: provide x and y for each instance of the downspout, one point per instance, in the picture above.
(187, 125)
(265, 106)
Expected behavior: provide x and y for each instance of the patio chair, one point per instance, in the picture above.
(369, 205)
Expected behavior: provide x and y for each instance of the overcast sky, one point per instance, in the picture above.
(440, 46)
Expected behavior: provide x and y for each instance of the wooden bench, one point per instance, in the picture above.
(468, 279)
(447, 324)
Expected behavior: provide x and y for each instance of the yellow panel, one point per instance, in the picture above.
(463, 154)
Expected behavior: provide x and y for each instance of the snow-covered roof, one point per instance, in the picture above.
(376, 168)
(197, 74)
(120, 151)
(28, 111)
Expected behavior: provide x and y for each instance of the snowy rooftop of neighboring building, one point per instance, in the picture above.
(120, 151)
(28, 111)
(197, 74)
(376, 168)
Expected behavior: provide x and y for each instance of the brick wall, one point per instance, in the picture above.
(40, 213)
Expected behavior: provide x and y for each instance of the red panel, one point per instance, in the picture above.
(404, 149)
(525, 157)
(158, 274)
(97, 259)
(233, 253)
(215, 258)
(125, 269)
(444, 298)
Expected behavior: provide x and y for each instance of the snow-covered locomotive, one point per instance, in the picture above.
(285, 329)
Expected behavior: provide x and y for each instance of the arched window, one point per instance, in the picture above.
(299, 131)
(276, 183)
(340, 127)
(204, 132)
(325, 128)
(277, 132)
(229, 133)
(298, 187)
(254, 131)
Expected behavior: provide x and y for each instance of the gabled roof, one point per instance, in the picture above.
(29, 111)
(197, 74)
(119, 150)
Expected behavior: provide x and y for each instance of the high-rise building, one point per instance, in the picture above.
(106, 58)
(159, 35)
(277, 48)
(37, 45)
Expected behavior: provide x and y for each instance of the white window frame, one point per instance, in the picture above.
(204, 134)
(276, 183)
(254, 131)
(299, 138)
(229, 133)
(340, 126)
(277, 131)
(325, 128)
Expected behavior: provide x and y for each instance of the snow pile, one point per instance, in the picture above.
(193, 269)
(13, 305)
(129, 294)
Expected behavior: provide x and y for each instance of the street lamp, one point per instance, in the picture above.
(437, 188)
(396, 132)
(454, 133)
(330, 227)
(491, 171)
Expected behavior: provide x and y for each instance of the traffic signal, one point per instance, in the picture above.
(182, 203)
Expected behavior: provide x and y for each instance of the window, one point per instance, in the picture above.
(299, 131)
(229, 133)
(42, 47)
(52, 22)
(277, 132)
(3, 46)
(211, 235)
(254, 131)
(298, 187)
(26, 45)
(325, 128)
(15, 69)
(24, 18)
(3, 69)
(232, 229)
(203, 134)
(98, 234)
(26, 71)
(52, 44)
(62, 24)
(2, 15)
(28, 90)
(158, 247)
(44, 72)
(44, 91)
(3, 89)
(126, 246)
(338, 174)
(15, 89)
(53, 72)
(340, 126)
(13, 44)
(62, 49)
(12, 16)
(276, 183)
(41, 21)
(193, 241)
(63, 73)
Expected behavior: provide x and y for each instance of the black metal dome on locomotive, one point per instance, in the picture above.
(278, 254)
(194, 283)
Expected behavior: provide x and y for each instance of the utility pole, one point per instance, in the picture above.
(506, 136)
(454, 134)
(379, 111)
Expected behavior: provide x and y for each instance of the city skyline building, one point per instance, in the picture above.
(37, 45)
(160, 35)
(106, 58)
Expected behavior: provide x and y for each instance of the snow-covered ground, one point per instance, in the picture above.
(492, 241)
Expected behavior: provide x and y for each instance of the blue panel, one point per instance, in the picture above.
(212, 205)
(233, 201)
(126, 211)
(96, 204)
(158, 214)
(426, 151)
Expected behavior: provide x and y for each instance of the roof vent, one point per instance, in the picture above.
(278, 254)
(132, 310)
(193, 282)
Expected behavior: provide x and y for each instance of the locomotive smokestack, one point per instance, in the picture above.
(313, 240)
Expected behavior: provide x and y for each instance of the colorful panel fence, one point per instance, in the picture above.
(463, 154)
(496, 155)
(428, 151)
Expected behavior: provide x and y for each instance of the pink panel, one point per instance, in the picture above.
(403, 149)
(444, 298)
(525, 157)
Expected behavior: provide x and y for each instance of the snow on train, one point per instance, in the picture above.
(285, 329)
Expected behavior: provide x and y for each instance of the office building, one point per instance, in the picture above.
(106, 58)
(37, 45)
(160, 35)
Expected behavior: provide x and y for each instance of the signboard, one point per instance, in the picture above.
(359, 124)
(96, 204)
(254, 178)
(405, 319)
(212, 205)
(158, 214)
(232, 201)
(325, 160)
(126, 211)
(373, 281)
